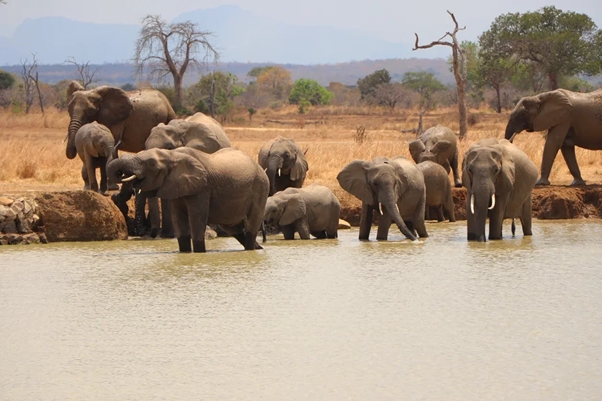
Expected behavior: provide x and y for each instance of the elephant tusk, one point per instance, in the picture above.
(66, 136)
(130, 178)
(471, 204)
(380, 209)
(492, 202)
(279, 172)
(512, 137)
(397, 208)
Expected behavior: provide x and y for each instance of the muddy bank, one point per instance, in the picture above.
(552, 202)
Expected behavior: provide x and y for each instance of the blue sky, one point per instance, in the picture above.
(393, 20)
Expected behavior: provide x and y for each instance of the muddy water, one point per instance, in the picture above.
(322, 320)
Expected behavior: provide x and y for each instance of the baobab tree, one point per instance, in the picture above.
(166, 49)
(459, 68)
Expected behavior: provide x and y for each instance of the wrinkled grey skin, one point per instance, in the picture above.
(571, 119)
(440, 145)
(226, 188)
(438, 189)
(311, 210)
(95, 144)
(284, 162)
(129, 115)
(200, 132)
(497, 167)
(395, 184)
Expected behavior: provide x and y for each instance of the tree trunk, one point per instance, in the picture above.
(498, 98)
(459, 74)
(177, 85)
(40, 98)
(553, 80)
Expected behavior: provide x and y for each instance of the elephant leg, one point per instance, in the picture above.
(302, 227)
(167, 229)
(454, 168)
(197, 208)
(85, 176)
(568, 152)
(91, 172)
(366, 221)
(103, 175)
(140, 214)
(440, 216)
(153, 211)
(319, 234)
(333, 229)
(496, 220)
(449, 207)
(384, 223)
(553, 144)
(288, 231)
(526, 217)
(182, 225)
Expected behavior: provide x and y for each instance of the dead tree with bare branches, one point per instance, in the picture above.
(166, 49)
(86, 75)
(29, 74)
(459, 67)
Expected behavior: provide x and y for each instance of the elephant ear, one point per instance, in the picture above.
(440, 147)
(553, 108)
(262, 157)
(115, 105)
(300, 167)
(468, 157)
(73, 87)
(294, 210)
(186, 176)
(352, 178)
(199, 137)
(416, 148)
(507, 174)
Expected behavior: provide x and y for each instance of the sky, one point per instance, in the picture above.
(393, 20)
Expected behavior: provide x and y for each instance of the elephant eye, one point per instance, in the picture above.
(287, 155)
(496, 169)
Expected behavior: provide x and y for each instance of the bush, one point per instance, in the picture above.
(310, 91)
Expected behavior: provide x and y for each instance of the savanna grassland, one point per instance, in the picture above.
(32, 151)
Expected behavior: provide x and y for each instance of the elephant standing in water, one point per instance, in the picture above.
(438, 190)
(311, 210)
(95, 144)
(440, 145)
(129, 116)
(284, 162)
(571, 119)
(226, 188)
(499, 179)
(396, 184)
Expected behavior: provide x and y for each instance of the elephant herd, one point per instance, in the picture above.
(190, 165)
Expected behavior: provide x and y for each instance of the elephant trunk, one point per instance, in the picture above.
(480, 201)
(510, 131)
(74, 126)
(388, 200)
(123, 170)
(274, 167)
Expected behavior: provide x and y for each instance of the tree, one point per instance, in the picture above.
(217, 91)
(257, 71)
(425, 84)
(29, 75)
(369, 83)
(310, 91)
(276, 81)
(170, 49)
(85, 74)
(6, 80)
(389, 95)
(495, 72)
(459, 68)
(562, 43)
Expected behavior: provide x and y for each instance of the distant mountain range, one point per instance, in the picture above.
(239, 34)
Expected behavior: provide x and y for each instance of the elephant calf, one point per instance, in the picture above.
(438, 190)
(311, 210)
(440, 145)
(95, 144)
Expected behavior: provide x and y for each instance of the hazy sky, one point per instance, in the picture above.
(388, 19)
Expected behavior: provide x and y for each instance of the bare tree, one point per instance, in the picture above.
(389, 95)
(170, 49)
(459, 67)
(86, 75)
(29, 74)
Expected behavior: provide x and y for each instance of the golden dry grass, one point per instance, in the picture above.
(32, 152)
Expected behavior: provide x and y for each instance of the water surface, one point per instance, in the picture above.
(339, 319)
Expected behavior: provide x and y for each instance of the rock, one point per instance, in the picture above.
(10, 227)
(210, 233)
(7, 214)
(5, 201)
(80, 216)
(343, 225)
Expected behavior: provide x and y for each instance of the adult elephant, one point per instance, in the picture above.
(440, 145)
(226, 188)
(571, 119)
(499, 179)
(129, 116)
(311, 210)
(284, 162)
(397, 185)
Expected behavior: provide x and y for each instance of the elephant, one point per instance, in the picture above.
(438, 189)
(95, 144)
(394, 188)
(571, 119)
(199, 131)
(440, 145)
(226, 188)
(284, 163)
(310, 210)
(499, 180)
(129, 115)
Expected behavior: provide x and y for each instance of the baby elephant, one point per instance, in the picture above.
(438, 189)
(95, 144)
(311, 210)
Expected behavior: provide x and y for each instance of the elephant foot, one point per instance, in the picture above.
(184, 244)
(154, 232)
(199, 246)
(458, 184)
(577, 182)
(167, 234)
(542, 181)
(477, 238)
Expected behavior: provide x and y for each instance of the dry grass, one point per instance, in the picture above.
(32, 152)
